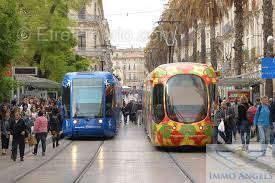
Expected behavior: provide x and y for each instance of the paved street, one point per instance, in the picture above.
(129, 157)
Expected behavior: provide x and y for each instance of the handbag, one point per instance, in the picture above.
(221, 126)
(32, 140)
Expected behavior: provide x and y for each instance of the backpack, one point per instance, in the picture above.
(250, 113)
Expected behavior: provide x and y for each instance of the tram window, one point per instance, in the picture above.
(66, 101)
(87, 98)
(158, 108)
(186, 98)
(110, 101)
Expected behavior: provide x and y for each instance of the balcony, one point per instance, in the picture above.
(87, 18)
(90, 52)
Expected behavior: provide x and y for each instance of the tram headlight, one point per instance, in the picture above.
(100, 121)
(75, 122)
(201, 127)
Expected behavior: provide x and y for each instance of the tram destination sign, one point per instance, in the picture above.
(31, 71)
(268, 68)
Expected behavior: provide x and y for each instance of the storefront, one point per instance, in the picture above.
(251, 82)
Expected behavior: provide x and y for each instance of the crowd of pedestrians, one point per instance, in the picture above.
(131, 106)
(246, 119)
(29, 121)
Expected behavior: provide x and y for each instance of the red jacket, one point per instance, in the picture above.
(41, 125)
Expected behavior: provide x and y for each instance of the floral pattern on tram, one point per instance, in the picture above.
(171, 133)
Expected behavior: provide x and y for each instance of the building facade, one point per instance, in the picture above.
(128, 65)
(252, 48)
(93, 34)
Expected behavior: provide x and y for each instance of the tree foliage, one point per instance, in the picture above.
(9, 26)
(51, 39)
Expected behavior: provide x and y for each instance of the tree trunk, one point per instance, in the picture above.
(203, 44)
(238, 36)
(178, 49)
(213, 45)
(268, 48)
(186, 36)
(195, 40)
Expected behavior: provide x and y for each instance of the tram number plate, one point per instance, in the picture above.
(90, 126)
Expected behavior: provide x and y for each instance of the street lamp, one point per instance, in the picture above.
(169, 31)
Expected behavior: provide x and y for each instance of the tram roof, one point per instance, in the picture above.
(182, 67)
(73, 75)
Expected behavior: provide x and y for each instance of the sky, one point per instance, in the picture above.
(132, 21)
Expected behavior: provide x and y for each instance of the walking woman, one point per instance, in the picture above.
(54, 127)
(40, 130)
(244, 125)
(19, 131)
(5, 132)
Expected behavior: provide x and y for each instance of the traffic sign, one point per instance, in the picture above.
(32, 71)
(268, 68)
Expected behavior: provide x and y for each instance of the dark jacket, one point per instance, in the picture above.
(221, 113)
(272, 111)
(54, 123)
(242, 108)
(17, 128)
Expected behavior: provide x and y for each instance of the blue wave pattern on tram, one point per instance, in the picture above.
(92, 103)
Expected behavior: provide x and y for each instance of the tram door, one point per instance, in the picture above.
(67, 126)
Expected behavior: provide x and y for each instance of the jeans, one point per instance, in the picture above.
(40, 137)
(5, 141)
(264, 133)
(18, 141)
(245, 131)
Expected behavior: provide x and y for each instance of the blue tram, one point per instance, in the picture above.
(92, 103)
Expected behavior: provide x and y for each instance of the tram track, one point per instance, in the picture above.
(21, 176)
(181, 169)
(88, 165)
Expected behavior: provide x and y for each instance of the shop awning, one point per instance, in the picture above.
(239, 81)
(248, 79)
(37, 82)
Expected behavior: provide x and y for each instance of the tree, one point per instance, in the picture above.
(50, 36)
(10, 25)
(268, 31)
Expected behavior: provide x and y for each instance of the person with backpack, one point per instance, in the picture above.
(244, 125)
(262, 120)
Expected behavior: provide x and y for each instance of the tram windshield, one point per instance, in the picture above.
(186, 98)
(87, 98)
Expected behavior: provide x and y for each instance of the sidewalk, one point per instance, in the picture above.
(266, 161)
(28, 148)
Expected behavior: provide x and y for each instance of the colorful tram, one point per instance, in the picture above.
(92, 104)
(177, 102)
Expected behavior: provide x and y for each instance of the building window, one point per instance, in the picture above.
(134, 67)
(129, 68)
(95, 37)
(82, 12)
(124, 67)
(95, 8)
(95, 67)
(82, 40)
